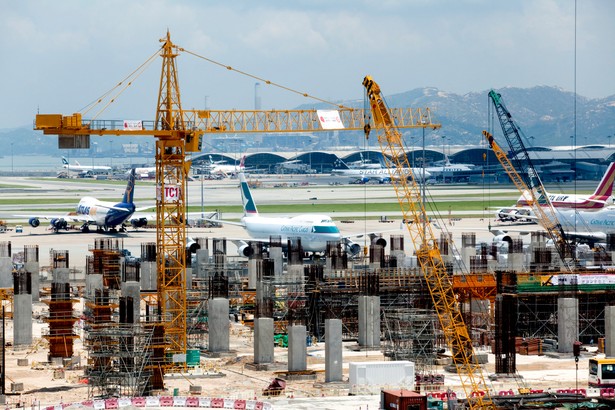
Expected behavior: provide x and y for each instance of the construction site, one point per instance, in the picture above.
(431, 310)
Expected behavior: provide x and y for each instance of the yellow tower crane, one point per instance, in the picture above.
(428, 254)
(179, 132)
(174, 140)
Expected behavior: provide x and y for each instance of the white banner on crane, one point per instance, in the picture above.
(330, 119)
(133, 125)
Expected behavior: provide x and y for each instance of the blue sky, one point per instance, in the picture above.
(58, 56)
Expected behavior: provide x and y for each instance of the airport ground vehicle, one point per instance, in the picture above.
(601, 373)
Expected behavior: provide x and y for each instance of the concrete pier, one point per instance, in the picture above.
(218, 316)
(567, 324)
(297, 348)
(609, 331)
(369, 321)
(263, 340)
(333, 351)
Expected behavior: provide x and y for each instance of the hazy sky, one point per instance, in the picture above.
(58, 56)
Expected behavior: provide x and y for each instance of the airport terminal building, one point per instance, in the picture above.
(556, 164)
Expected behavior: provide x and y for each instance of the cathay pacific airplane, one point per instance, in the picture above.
(106, 216)
(314, 230)
(85, 169)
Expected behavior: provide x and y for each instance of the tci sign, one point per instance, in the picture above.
(171, 193)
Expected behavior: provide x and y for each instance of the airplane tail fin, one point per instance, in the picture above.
(64, 161)
(130, 188)
(77, 163)
(242, 163)
(605, 187)
(249, 207)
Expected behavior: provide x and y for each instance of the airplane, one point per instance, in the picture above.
(85, 169)
(595, 201)
(143, 172)
(382, 175)
(219, 168)
(583, 226)
(452, 171)
(362, 163)
(314, 230)
(106, 216)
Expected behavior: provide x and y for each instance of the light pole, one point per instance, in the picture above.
(12, 171)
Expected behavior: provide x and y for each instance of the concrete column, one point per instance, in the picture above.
(263, 340)
(60, 275)
(252, 263)
(333, 351)
(567, 324)
(466, 253)
(294, 276)
(369, 321)
(201, 261)
(188, 278)
(93, 282)
(22, 319)
(149, 276)
(133, 289)
(297, 348)
(275, 253)
(34, 269)
(6, 270)
(218, 317)
(609, 331)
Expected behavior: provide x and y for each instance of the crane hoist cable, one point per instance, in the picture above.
(268, 82)
(130, 78)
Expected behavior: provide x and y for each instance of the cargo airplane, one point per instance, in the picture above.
(314, 230)
(106, 216)
(596, 201)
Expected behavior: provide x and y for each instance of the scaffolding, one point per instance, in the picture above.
(60, 318)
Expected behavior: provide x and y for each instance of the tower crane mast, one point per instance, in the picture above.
(522, 172)
(428, 254)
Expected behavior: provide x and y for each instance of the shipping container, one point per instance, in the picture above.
(370, 377)
(402, 400)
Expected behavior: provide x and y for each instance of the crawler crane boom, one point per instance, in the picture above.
(427, 252)
(526, 179)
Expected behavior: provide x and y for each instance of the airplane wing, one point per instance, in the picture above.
(222, 221)
(71, 216)
(115, 208)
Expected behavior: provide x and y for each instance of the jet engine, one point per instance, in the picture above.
(34, 222)
(353, 248)
(138, 222)
(245, 250)
(58, 223)
(192, 245)
(379, 241)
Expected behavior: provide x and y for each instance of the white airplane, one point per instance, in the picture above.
(583, 226)
(85, 169)
(596, 201)
(382, 175)
(143, 172)
(362, 163)
(450, 170)
(314, 230)
(218, 167)
(106, 216)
